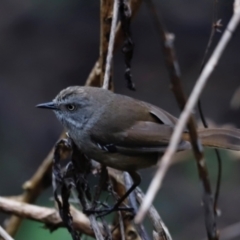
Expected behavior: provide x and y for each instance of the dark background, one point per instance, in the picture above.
(46, 46)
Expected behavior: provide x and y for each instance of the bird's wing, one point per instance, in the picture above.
(161, 115)
(142, 137)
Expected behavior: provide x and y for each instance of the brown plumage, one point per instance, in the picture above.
(122, 132)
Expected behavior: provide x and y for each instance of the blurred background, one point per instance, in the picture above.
(46, 46)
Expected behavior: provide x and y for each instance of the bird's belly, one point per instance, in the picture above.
(125, 162)
(120, 161)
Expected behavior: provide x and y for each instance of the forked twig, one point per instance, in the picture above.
(216, 24)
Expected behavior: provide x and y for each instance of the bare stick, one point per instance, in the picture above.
(111, 46)
(49, 216)
(165, 161)
(106, 11)
(4, 234)
(161, 231)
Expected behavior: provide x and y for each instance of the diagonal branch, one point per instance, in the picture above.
(49, 216)
(160, 230)
(201, 81)
(4, 234)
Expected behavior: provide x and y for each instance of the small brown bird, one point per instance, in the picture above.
(122, 132)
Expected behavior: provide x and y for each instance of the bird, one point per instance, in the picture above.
(125, 133)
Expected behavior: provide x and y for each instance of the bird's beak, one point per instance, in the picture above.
(49, 105)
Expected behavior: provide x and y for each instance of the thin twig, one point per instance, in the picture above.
(4, 234)
(158, 224)
(111, 46)
(219, 161)
(216, 24)
(106, 11)
(165, 161)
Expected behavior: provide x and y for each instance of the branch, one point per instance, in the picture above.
(160, 230)
(49, 216)
(110, 46)
(164, 163)
(106, 11)
(4, 234)
(216, 25)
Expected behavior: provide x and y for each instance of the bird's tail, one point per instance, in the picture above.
(219, 138)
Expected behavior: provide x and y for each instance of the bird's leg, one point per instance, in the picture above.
(136, 181)
(103, 180)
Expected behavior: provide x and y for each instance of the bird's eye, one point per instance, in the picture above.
(70, 107)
